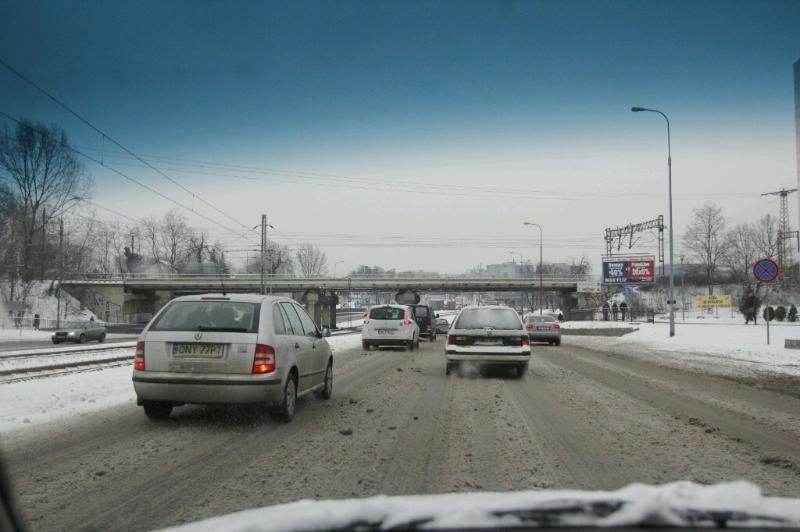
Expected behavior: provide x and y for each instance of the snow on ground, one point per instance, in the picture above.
(677, 504)
(726, 347)
(24, 334)
(41, 361)
(36, 401)
(599, 324)
(28, 403)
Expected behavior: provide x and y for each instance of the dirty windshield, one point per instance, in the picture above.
(525, 261)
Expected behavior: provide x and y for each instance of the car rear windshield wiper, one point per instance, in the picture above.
(221, 329)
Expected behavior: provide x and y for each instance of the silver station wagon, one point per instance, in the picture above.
(237, 348)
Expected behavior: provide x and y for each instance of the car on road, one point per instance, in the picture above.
(79, 332)
(212, 348)
(488, 336)
(441, 325)
(543, 328)
(424, 316)
(390, 325)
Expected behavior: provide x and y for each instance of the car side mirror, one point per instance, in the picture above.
(326, 332)
(437, 314)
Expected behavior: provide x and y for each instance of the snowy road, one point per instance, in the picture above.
(579, 419)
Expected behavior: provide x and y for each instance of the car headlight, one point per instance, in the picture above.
(70, 334)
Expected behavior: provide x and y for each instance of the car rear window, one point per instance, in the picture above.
(230, 316)
(421, 312)
(501, 318)
(540, 319)
(387, 313)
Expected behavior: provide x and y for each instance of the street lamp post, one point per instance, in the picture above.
(541, 288)
(263, 226)
(671, 296)
(683, 291)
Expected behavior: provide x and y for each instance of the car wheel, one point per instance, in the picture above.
(157, 410)
(416, 344)
(327, 390)
(410, 345)
(286, 411)
(365, 345)
(522, 369)
(102, 338)
(558, 342)
(432, 337)
(56, 341)
(447, 369)
(81, 339)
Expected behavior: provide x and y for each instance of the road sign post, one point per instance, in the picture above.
(766, 271)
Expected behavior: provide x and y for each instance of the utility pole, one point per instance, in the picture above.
(61, 270)
(784, 232)
(263, 249)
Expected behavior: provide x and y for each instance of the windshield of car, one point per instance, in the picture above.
(333, 250)
(499, 318)
(208, 316)
(387, 313)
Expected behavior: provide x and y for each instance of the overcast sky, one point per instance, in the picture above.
(419, 135)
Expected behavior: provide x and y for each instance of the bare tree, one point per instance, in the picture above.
(311, 261)
(704, 239)
(44, 178)
(766, 236)
(277, 261)
(742, 251)
(580, 265)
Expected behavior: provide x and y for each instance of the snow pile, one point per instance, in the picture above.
(675, 504)
(731, 347)
(344, 341)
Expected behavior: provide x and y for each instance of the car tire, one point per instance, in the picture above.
(286, 410)
(522, 369)
(81, 339)
(365, 345)
(157, 410)
(327, 389)
(56, 341)
(558, 342)
(432, 337)
(416, 344)
(447, 368)
(102, 338)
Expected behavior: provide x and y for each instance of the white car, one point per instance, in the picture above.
(488, 336)
(238, 348)
(391, 325)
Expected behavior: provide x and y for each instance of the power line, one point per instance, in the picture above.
(118, 144)
(135, 181)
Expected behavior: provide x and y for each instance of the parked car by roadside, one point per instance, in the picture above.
(543, 328)
(79, 332)
(390, 325)
(241, 348)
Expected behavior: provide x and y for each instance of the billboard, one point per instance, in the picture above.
(629, 270)
(722, 300)
(589, 287)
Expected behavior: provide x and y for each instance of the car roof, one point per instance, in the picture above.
(236, 298)
(489, 307)
(388, 305)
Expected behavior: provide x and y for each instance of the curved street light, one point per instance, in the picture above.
(671, 296)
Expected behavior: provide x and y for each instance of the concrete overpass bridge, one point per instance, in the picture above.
(126, 298)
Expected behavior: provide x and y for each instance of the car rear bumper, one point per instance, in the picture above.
(205, 389)
(386, 341)
(489, 358)
(545, 335)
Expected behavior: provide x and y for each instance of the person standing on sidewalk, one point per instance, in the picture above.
(615, 311)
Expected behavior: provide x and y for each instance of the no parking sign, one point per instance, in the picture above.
(766, 270)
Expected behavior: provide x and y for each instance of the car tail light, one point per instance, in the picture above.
(556, 326)
(138, 358)
(429, 326)
(456, 340)
(530, 326)
(451, 340)
(526, 342)
(407, 322)
(366, 321)
(264, 360)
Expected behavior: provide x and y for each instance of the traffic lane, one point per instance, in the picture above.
(89, 472)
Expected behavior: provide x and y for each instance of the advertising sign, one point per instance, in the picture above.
(723, 300)
(589, 287)
(629, 270)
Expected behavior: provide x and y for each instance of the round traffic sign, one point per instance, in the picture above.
(766, 270)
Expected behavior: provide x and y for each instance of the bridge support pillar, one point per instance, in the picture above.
(407, 297)
(321, 306)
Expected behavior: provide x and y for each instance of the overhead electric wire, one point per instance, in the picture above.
(137, 182)
(118, 144)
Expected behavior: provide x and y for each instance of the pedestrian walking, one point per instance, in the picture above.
(606, 309)
(615, 311)
(36, 321)
(623, 308)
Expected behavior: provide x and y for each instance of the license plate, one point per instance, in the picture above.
(198, 350)
(489, 341)
(543, 328)
(385, 331)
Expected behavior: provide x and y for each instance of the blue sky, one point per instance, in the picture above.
(502, 94)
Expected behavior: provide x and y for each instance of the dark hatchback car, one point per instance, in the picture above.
(424, 316)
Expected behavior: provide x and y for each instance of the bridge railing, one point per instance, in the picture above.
(274, 277)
